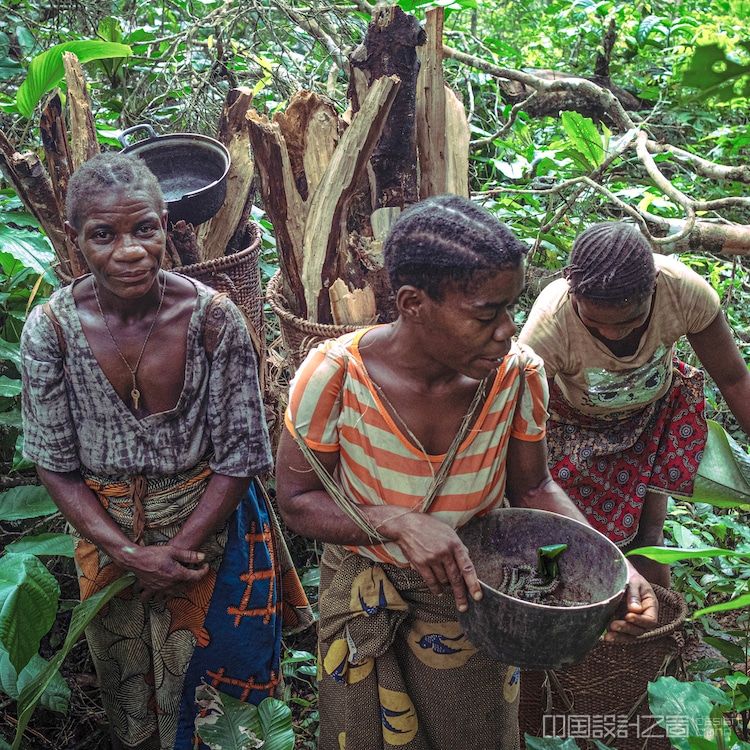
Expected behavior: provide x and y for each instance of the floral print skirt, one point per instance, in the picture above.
(608, 464)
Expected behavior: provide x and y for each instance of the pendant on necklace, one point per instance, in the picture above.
(135, 394)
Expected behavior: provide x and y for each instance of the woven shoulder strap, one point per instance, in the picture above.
(213, 323)
(49, 312)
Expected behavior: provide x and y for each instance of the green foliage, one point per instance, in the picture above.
(692, 713)
(56, 696)
(46, 70)
(30, 501)
(673, 554)
(588, 148)
(28, 605)
(43, 545)
(723, 477)
(717, 73)
(226, 723)
(82, 615)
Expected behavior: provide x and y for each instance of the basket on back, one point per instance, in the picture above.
(237, 275)
(607, 691)
(298, 335)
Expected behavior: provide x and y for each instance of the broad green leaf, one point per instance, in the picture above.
(55, 698)
(10, 352)
(11, 418)
(109, 29)
(30, 249)
(29, 501)
(684, 709)
(673, 554)
(28, 604)
(550, 743)
(276, 719)
(9, 387)
(226, 723)
(723, 477)
(82, 615)
(713, 71)
(20, 463)
(646, 26)
(46, 70)
(55, 545)
(584, 137)
(311, 578)
(8, 66)
(729, 650)
(739, 603)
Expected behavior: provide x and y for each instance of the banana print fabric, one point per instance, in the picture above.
(396, 669)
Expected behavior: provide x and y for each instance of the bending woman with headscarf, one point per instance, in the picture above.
(627, 424)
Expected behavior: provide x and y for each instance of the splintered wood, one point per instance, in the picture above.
(333, 186)
(216, 234)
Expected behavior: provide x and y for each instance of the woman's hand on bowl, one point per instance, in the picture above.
(642, 610)
(434, 550)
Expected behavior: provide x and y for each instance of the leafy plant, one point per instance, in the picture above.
(46, 70)
(83, 614)
(226, 723)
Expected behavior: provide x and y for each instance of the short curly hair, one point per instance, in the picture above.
(447, 239)
(611, 264)
(102, 173)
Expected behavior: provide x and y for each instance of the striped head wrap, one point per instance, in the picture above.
(611, 263)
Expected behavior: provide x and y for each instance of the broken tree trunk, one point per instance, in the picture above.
(56, 151)
(325, 228)
(292, 154)
(352, 307)
(442, 128)
(431, 104)
(83, 140)
(32, 183)
(389, 49)
(215, 235)
(282, 201)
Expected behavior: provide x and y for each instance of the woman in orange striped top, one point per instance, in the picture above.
(379, 410)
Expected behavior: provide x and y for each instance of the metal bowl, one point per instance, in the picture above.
(540, 636)
(191, 170)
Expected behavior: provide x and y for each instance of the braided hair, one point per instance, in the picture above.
(104, 173)
(611, 264)
(446, 239)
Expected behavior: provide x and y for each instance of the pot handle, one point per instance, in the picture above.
(129, 131)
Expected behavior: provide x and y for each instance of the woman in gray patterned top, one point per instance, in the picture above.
(142, 413)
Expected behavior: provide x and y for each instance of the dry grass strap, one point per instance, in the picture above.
(351, 509)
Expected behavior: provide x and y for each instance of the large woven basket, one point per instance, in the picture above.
(238, 276)
(298, 335)
(607, 691)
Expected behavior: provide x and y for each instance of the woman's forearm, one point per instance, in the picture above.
(85, 513)
(548, 495)
(219, 500)
(314, 515)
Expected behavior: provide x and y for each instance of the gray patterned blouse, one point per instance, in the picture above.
(73, 417)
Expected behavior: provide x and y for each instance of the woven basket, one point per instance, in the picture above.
(298, 335)
(237, 275)
(607, 690)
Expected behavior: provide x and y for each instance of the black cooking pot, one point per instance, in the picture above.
(191, 170)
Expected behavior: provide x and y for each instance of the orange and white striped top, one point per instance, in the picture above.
(335, 407)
